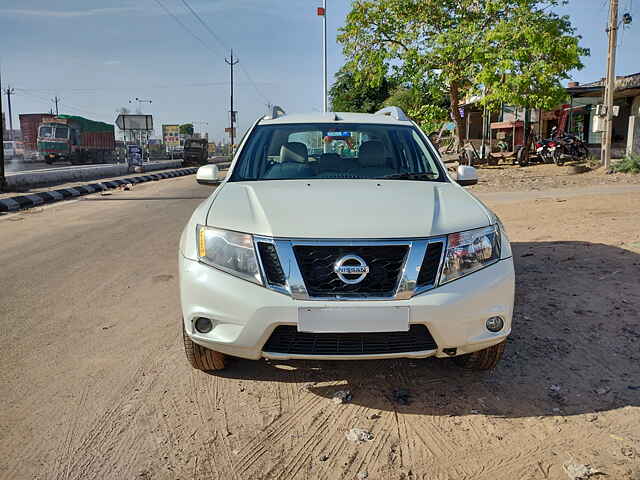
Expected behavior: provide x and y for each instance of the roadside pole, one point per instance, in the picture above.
(322, 12)
(612, 30)
(3, 180)
(9, 92)
(232, 114)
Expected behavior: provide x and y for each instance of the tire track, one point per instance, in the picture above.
(255, 449)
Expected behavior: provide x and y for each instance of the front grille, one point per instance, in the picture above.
(430, 264)
(287, 339)
(271, 264)
(316, 263)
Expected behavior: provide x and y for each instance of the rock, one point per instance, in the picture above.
(359, 435)
(342, 396)
(362, 475)
(324, 458)
(602, 391)
(373, 416)
(554, 388)
(577, 471)
(592, 417)
(401, 396)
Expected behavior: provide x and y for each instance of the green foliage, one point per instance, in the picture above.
(186, 129)
(348, 96)
(420, 106)
(517, 51)
(630, 164)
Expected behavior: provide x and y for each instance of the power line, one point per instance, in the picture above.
(224, 47)
(182, 24)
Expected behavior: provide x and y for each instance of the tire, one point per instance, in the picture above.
(482, 359)
(557, 158)
(202, 358)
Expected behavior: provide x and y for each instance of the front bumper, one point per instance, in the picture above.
(246, 314)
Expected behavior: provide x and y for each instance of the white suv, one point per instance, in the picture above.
(342, 236)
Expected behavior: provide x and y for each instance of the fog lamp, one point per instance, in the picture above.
(203, 325)
(495, 324)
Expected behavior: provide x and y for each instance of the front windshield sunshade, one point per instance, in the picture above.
(339, 151)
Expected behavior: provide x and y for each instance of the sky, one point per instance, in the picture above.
(97, 56)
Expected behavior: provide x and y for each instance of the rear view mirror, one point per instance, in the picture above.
(208, 175)
(467, 175)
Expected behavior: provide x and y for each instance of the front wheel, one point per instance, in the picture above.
(482, 359)
(202, 358)
(557, 158)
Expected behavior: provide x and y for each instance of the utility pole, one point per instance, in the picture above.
(9, 92)
(322, 12)
(232, 116)
(3, 180)
(56, 99)
(612, 30)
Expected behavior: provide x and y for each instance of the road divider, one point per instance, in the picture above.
(21, 202)
(78, 173)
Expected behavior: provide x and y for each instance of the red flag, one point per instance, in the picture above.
(321, 12)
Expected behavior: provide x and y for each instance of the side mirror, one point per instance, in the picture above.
(467, 175)
(208, 175)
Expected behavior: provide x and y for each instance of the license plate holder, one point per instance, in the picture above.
(353, 319)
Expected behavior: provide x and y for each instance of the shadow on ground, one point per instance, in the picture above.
(575, 347)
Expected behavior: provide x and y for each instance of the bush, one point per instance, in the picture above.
(630, 164)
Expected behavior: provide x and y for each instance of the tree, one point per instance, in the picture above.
(186, 129)
(418, 102)
(518, 50)
(348, 96)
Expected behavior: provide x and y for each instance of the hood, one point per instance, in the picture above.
(345, 208)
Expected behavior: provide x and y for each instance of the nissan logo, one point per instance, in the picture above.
(351, 269)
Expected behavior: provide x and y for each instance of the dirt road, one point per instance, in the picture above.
(95, 383)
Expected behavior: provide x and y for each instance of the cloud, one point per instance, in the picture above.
(68, 13)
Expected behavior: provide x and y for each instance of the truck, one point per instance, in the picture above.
(29, 123)
(196, 151)
(75, 139)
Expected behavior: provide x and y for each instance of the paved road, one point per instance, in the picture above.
(94, 382)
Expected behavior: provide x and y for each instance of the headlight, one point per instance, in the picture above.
(231, 252)
(470, 251)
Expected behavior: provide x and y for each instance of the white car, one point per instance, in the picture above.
(342, 236)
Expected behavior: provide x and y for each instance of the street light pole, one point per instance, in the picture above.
(325, 104)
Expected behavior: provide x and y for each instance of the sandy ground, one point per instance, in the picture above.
(95, 383)
(502, 178)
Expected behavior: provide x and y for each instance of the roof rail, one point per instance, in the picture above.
(276, 112)
(394, 112)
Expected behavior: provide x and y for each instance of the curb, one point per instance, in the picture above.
(20, 202)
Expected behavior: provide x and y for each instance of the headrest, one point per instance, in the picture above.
(371, 154)
(331, 161)
(294, 152)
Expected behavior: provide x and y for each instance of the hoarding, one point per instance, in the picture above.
(171, 136)
(135, 122)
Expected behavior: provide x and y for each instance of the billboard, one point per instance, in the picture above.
(171, 135)
(135, 122)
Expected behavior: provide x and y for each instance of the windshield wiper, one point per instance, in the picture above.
(411, 176)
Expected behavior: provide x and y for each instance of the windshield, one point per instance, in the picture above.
(46, 132)
(348, 151)
(62, 132)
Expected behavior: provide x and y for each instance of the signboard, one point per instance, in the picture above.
(134, 155)
(229, 130)
(171, 136)
(134, 122)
